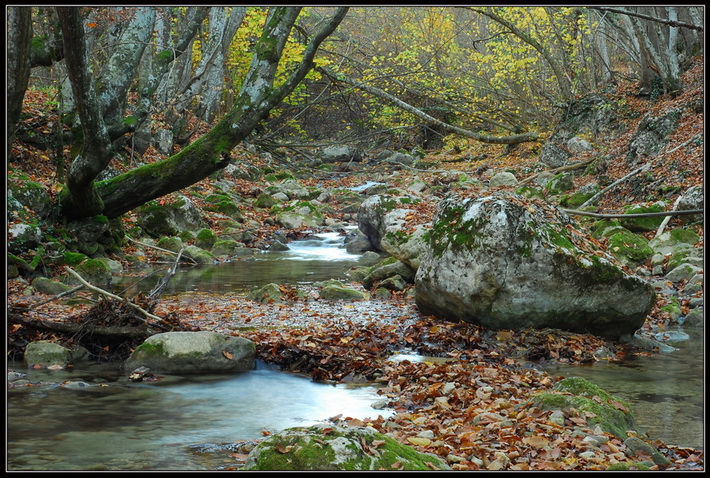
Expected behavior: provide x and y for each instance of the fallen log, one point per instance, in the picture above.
(62, 327)
(631, 216)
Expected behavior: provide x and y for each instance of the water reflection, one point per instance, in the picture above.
(666, 390)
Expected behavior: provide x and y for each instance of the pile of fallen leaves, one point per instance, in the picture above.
(470, 402)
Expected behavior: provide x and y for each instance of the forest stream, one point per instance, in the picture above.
(193, 423)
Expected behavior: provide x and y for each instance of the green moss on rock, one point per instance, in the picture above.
(629, 248)
(640, 224)
(612, 414)
(326, 447)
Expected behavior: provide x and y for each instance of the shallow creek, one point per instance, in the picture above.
(115, 425)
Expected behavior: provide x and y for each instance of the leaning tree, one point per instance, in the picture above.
(101, 102)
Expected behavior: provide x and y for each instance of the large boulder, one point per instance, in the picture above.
(508, 263)
(169, 219)
(193, 352)
(327, 447)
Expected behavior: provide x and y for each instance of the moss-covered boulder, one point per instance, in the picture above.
(529, 192)
(629, 248)
(193, 352)
(160, 218)
(335, 291)
(559, 183)
(32, 195)
(299, 214)
(612, 414)
(45, 354)
(199, 255)
(326, 447)
(506, 262)
(23, 237)
(388, 268)
(229, 248)
(205, 238)
(224, 204)
(265, 201)
(641, 224)
(94, 271)
(268, 294)
(49, 286)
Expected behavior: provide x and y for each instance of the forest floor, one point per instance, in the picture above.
(488, 421)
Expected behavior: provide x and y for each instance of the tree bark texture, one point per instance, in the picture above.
(19, 27)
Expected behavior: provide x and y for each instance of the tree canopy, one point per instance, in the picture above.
(410, 75)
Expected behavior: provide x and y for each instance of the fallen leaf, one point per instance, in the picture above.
(536, 441)
(419, 441)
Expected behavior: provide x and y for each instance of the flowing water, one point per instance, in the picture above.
(115, 425)
(317, 258)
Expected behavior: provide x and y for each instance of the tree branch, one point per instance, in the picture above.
(576, 212)
(514, 139)
(108, 294)
(673, 23)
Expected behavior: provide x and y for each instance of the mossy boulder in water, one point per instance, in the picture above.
(326, 447)
(193, 352)
(613, 415)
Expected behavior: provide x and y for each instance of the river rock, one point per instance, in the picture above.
(504, 178)
(299, 214)
(46, 354)
(382, 218)
(553, 156)
(169, 219)
(193, 352)
(389, 268)
(334, 291)
(340, 153)
(356, 242)
(327, 447)
(23, 237)
(508, 263)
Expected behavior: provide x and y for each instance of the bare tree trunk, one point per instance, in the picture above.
(208, 81)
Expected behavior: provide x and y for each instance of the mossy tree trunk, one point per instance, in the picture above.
(84, 197)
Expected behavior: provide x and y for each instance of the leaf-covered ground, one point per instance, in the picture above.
(470, 401)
